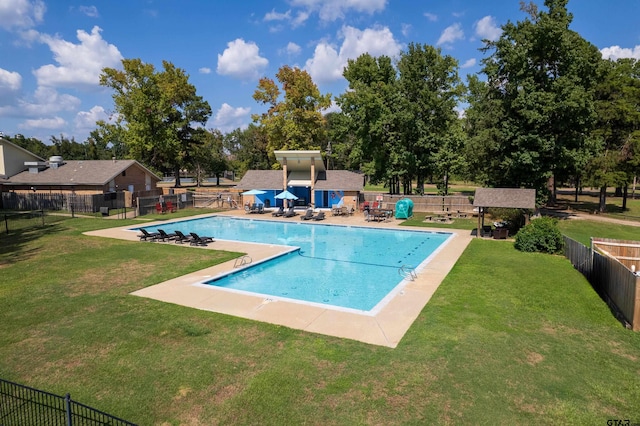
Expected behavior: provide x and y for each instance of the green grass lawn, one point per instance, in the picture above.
(588, 202)
(583, 230)
(508, 338)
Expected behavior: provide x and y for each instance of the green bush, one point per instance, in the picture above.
(541, 235)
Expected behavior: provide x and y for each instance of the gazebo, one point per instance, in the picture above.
(509, 198)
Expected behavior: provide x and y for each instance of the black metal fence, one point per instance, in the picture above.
(13, 222)
(21, 405)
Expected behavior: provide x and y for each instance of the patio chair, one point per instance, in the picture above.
(290, 212)
(319, 216)
(181, 238)
(170, 207)
(197, 240)
(165, 237)
(279, 212)
(159, 208)
(148, 236)
(308, 215)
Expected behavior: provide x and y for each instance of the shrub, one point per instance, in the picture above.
(541, 235)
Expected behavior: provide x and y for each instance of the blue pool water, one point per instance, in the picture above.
(343, 266)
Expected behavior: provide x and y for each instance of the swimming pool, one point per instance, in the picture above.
(344, 267)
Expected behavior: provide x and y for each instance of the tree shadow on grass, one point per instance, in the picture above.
(594, 207)
(16, 246)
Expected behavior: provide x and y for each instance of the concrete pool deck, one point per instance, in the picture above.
(386, 327)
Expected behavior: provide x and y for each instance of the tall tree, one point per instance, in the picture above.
(543, 74)
(207, 157)
(296, 120)
(157, 113)
(618, 128)
(68, 148)
(247, 150)
(430, 90)
(369, 108)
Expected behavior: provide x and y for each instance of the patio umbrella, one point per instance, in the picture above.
(286, 195)
(254, 192)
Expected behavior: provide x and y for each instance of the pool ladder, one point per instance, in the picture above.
(408, 272)
(241, 261)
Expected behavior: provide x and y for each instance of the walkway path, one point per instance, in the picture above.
(571, 214)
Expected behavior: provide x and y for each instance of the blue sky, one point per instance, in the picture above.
(52, 52)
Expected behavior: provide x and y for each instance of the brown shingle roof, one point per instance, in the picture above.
(516, 198)
(261, 179)
(327, 180)
(343, 180)
(77, 172)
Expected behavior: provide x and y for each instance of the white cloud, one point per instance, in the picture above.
(48, 101)
(9, 81)
(431, 17)
(79, 64)
(204, 70)
(486, 28)
(300, 18)
(617, 52)
(406, 29)
(275, 16)
(375, 41)
(228, 118)
(10, 85)
(327, 63)
(44, 123)
(85, 121)
(328, 10)
(469, 63)
(450, 34)
(21, 13)
(293, 49)
(241, 60)
(91, 11)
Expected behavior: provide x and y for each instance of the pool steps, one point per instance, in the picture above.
(407, 272)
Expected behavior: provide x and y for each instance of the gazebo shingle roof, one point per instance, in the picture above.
(516, 198)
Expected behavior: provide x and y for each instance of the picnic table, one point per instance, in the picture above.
(379, 215)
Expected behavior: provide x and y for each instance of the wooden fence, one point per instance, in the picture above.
(59, 201)
(427, 203)
(626, 251)
(615, 282)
